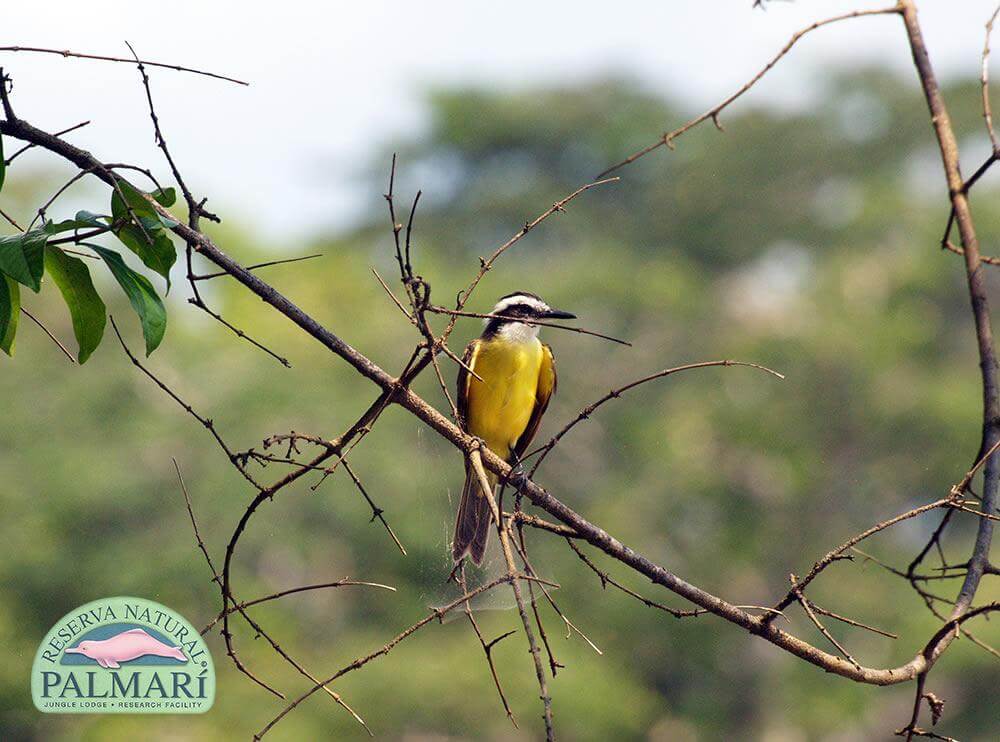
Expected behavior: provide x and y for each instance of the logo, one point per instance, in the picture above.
(123, 656)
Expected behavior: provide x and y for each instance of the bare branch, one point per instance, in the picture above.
(570, 524)
(257, 266)
(346, 582)
(948, 146)
(475, 459)
(837, 554)
(587, 411)
(534, 322)
(100, 57)
(712, 114)
(435, 614)
(485, 264)
(804, 602)
(48, 332)
(487, 646)
(205, 422)
(26, 147)
(377, 512)
(985, 80)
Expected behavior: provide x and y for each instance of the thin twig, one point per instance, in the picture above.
(533, 322)
(103, 58)
(241, 608)
(951, 246)
(377, 512)
(292, 591)
(487, 646)
(392, 296)
(485, 264)
(26, 147)
(587, 411)
(197, 301)
(205, 422)
(10, 219)
(713, 113)
(607, 579)
(804, 602)
(985, 80)
(435, 614)
(837, 554)
(48, 332)
(476, 462)
(257, 266)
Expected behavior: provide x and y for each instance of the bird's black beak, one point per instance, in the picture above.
(558, 314)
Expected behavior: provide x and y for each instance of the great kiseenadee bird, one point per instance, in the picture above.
(504, 405)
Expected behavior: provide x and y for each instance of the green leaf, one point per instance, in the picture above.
(3, 164)
(91, 219)
(22, 257)
(166, 197)
(135, 198)
(167, 222)
(147, 238)
(67, 225)
(82, 219)
(10, 310)
(157, 255)
(86, 309)
(141, 295)
(141, 207)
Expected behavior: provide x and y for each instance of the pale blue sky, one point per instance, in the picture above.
(332, 82)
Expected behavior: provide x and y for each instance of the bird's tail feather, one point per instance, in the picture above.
(472, 527)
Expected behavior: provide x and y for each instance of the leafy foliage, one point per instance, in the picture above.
(145, 235)
(87, 310)
(22, 257)
(27, 257)
(10, 311)
(141, 295)
(151, 244)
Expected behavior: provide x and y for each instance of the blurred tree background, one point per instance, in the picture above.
(804, 238)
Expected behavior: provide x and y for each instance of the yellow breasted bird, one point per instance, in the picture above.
(504, 406)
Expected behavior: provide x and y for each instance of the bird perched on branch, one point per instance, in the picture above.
(504, 405)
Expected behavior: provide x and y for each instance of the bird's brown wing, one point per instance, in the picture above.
(472, 525)
(546, 388)
(464, 377)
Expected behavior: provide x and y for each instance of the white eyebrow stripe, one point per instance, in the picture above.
(520, 299)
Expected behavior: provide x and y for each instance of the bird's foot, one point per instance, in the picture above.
(517, 477)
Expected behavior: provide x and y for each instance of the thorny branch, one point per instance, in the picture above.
(713, 113)
(196, 210)
(589, 410)
(503, 528)
(241, 608)
(103, 58)
(487, 646)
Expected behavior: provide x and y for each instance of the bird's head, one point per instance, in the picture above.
(515, 313)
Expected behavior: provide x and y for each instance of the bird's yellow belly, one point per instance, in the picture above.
(500, 405)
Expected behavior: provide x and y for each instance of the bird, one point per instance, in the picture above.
(501, 402)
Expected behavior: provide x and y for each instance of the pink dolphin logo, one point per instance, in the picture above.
(124, 647)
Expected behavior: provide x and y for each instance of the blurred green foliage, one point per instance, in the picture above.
(803, 239)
